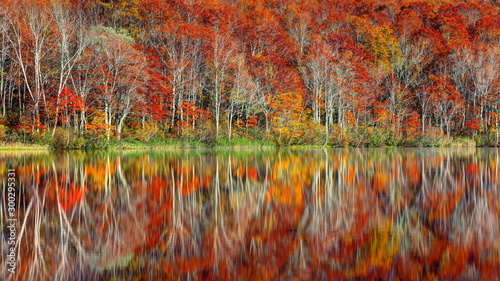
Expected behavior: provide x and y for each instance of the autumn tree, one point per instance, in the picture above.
(243, 101)
(72, 42)
(29, 22)
(484, 76)
(317, 75)
(447, 101)
(5, 50)
(221, 55)
(289, 118)
(270, 52)
(175, 48)
(120, 72)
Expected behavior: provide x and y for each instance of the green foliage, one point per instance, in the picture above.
(205, 133)
(64, 139)
(437, 140)
(96, 144)
(61, 139)
(464, 142)
(243, 142)
(100, 32)
(147, 132)
(489, 139)
(378, 137)
(44, 139)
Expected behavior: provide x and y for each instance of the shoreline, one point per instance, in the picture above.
(23, 146)
(126, 146)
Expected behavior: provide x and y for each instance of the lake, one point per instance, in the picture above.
(298, 214)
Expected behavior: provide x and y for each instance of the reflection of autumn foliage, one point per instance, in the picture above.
(71, 196)
(304, 215)
(69, 233)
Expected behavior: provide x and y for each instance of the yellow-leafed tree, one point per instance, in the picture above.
(290, 117)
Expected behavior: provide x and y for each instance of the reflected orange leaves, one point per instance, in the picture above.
(69, 197)
(442, 204)
(287, 181)
(157, 185)
(413, 173)
(243, 172)
(379, 181)
(97, 173)
(285, 194)
(321, 214)
(350, 175)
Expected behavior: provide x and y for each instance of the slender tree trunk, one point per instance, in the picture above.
(496, 130)
(267, 122)
(230, 121)
(107, 118)
(423, 123)
(119, 126)
(174, 107)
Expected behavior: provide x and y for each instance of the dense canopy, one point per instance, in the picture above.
(332, 72)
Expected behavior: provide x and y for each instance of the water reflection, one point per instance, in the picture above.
(390, 214)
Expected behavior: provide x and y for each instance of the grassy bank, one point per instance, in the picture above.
(236, 143)
(22, 146)
(191, 144)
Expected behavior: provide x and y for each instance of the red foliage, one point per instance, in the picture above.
(473, 125)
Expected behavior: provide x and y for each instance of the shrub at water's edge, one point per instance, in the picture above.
(60, 141)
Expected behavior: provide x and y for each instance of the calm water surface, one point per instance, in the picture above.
(353, 214)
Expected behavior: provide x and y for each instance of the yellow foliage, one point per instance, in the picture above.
(289, 117)
(98, 127)
(149, 130)
(385, 46)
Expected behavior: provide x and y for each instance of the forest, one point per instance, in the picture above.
(85, 73)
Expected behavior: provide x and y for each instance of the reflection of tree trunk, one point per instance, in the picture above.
(120, 173)
(497, 130)
(107, 177)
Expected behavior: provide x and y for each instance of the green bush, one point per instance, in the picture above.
(67, 139)
(61, 139)
(463, 142)
(45, 139)
(393, 141)
(243, 142)
(376, 138)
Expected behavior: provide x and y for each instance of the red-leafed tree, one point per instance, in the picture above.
(173, 40)
(447, 102)
(120, 73)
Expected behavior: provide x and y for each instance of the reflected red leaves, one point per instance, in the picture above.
(157, 185)
(69, 197)
(335, 214)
